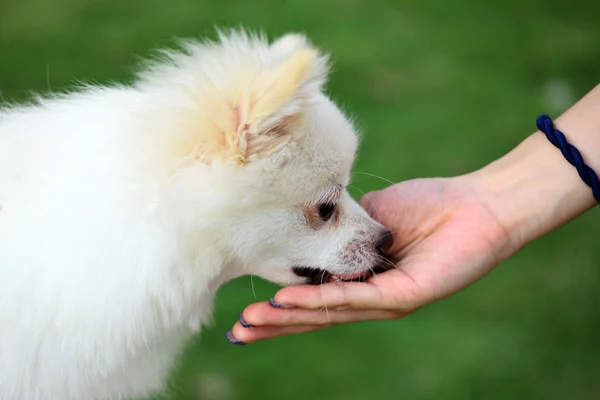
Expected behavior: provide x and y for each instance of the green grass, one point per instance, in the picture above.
(439, 88)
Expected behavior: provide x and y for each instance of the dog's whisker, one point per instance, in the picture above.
(325, 304)
(357, 180)
(370, 201)
(381, 257)
(375, 176)
(252, 284)
(387, 261)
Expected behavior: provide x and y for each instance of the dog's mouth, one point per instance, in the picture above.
(317, 276)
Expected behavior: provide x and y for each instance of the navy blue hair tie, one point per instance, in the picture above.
(573, 156)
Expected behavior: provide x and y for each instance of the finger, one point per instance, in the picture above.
(264, 314)
(392, 290)
(334, 296)
(242, 336)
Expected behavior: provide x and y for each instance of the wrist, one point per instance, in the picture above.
(532, 191)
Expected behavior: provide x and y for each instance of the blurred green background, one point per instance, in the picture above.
(439, 88)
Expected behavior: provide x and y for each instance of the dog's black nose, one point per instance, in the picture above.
(385, 242)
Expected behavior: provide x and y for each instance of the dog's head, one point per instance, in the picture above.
(274, 154)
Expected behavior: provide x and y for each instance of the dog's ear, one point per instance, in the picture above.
(264, 111)
(251, 110)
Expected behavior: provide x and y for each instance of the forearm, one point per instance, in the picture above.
(533, 189)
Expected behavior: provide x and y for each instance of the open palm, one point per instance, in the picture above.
(445, 238)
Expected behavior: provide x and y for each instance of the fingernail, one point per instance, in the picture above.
(233, 340)
(244, 323)
(277, 305)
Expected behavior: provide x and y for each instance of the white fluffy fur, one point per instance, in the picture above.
(123, 209)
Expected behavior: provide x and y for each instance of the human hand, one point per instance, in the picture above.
(445, 238)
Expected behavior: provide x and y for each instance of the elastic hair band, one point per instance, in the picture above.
(570, 152)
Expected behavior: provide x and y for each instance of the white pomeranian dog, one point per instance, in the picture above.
(124, 208)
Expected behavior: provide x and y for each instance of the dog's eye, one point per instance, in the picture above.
(326, 211)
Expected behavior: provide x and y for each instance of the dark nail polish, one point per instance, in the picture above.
(244, 323)
(277, 305)
(233, 340)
